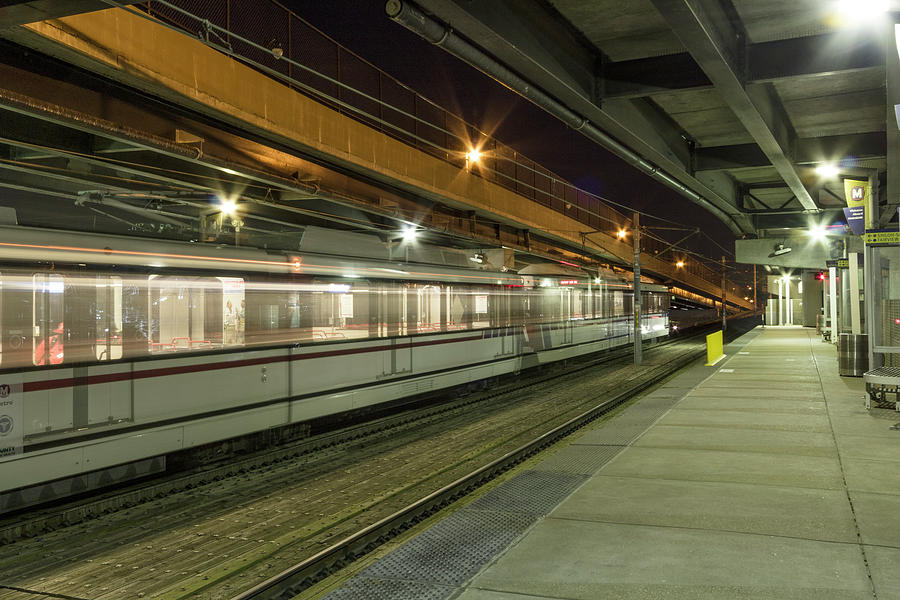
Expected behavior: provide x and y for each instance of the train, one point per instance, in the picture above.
(117, 352)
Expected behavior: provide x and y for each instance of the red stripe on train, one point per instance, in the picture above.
(52, 384)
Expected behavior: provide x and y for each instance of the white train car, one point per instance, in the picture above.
(117, 352)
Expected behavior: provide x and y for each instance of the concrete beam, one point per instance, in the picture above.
(518, 33)
(808, 151)
(712, 33)
(19, 12)
(810, 56)
(803, 254)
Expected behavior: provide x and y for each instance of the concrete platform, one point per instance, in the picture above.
(765, 477)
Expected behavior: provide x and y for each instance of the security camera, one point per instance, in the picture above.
(779, 250)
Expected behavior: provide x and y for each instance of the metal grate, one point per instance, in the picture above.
(530, 493)
(367, 588)
(621, 435)
(580, 459)
(454, 550)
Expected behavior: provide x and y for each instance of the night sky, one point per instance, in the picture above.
(363, 27)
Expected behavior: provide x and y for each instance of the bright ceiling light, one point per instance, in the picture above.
(228, 206)
(409, 234)
(473, 156)
(897, 36)
(817, 232)
(621, 234)
(827, 171)
(679, 264)
(862, 9)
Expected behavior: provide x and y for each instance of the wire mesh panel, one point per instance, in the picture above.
(266, 29)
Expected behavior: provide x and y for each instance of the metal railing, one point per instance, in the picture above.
(276, 41)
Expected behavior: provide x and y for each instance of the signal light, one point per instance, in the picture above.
(821, 276)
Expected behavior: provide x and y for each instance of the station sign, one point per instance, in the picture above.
(856, 192)
(882, 237)
(841, 263)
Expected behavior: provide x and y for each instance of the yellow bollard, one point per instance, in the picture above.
(714, 348)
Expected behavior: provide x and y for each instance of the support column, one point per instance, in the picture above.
(855, 320)
(724, 304)
(788, 307)
(781, 301)
(832, 302)
(755, 307)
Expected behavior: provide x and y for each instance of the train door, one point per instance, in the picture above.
(48, 336)
(17, 320)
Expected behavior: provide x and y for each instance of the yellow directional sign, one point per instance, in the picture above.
(880, 237)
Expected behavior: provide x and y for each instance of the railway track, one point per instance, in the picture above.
(40, 520)
(215, 540)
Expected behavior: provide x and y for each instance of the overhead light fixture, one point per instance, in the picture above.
(409, 234)
(621, 234)
(828, 171)
(679, 264)
(473, 156)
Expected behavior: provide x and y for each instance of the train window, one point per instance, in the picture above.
(48, 337)
(196, 313)
(618, 307)
(109, 318)
(429, 308)
(233, 310)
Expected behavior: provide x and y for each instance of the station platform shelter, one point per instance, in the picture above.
(763, 476)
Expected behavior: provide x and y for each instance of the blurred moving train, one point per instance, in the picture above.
(117, 351)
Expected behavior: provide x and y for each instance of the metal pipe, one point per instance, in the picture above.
(441, 35)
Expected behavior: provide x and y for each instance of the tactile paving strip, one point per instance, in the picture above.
(580, 459)
(619, 436)
(530, 493)
(453, 550)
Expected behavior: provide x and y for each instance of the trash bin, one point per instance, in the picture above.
(853, 355)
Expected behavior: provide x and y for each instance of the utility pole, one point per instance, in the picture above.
(754, 288)
(637, 289)
(724, 311)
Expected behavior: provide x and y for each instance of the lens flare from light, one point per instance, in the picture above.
(409, 234)
(862, 9)
(817, 232)
(827, 171)
(228, 206)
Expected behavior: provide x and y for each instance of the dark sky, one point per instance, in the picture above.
(363, 27)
